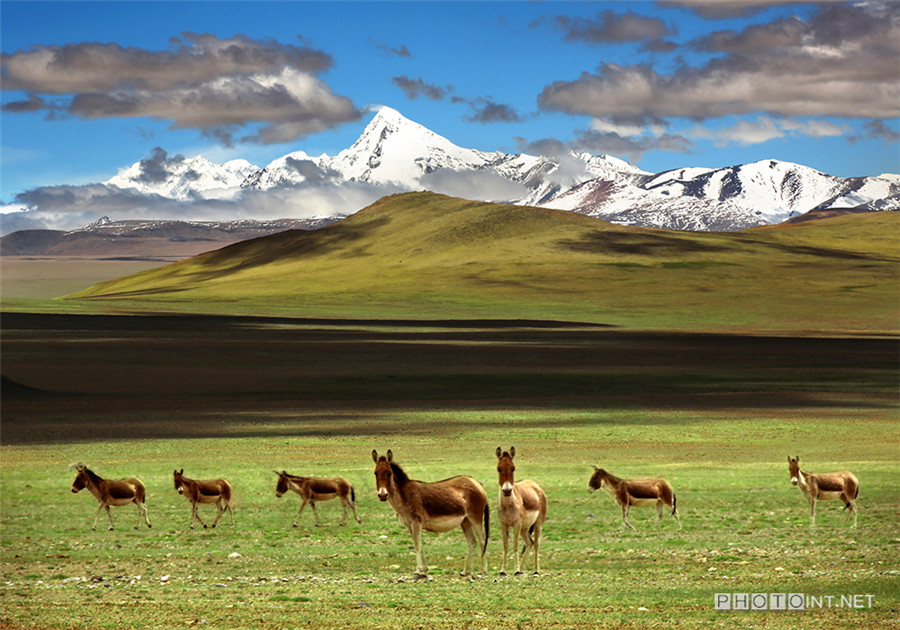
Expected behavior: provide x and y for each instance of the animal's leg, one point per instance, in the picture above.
(472, 544)
(415, 528)
(221, 506)
(312, 504)
(518, 530)
(345, 502)
(504, 528)
(659, 512)
(355, 513)
(812, 505)
(230, 506)
(196, 515)
(302, 505)
(96, 516)
(536, 542)
(625, 517)
(851, 505)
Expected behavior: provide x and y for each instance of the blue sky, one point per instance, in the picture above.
(89, 88)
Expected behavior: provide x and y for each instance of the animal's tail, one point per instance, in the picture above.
(487, 527)
(857, 492)
(674, 504)
(352, 495)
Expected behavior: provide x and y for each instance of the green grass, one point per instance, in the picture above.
(421, 255)
(745, 528)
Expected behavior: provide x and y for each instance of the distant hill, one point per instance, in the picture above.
(145, 239)
(426, 255)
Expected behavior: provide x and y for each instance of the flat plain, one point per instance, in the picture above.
(241, 397)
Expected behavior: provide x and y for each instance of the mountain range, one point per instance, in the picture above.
(398, 154)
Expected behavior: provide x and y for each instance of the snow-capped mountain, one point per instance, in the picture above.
(398, 154)
(178, 178)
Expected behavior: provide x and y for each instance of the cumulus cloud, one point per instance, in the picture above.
(610, 27)
(219, 86)
(631, 147)
(841, 62)
(490, 186)
(414, 88)
(723, 9)
(72, 207)
(487, 111)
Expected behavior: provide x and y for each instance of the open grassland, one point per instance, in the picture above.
(746, 529)
(242, 397)
(425, 256)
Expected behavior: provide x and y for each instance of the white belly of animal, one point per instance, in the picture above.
(120, 501)
(443, 523)
(825, 496)
(643, 502)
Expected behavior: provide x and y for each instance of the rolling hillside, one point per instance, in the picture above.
(422, 255)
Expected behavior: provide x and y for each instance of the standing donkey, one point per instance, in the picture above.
(217, 491)
(630, 493)
(841, 485)
(523, 507)
(438, 506)
(112, 492)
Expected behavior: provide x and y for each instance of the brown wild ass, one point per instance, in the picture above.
(438, 506)
(523, 507)
(841, 485)
(217, 491)
(630, 493)
(312, 489)
(112, 492)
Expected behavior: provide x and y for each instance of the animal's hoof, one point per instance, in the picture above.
(419, 576)
(295, 525)
(519, 573)
(503, 573)
(111, 529)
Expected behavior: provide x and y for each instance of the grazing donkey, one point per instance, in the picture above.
(841, 485)
(523, 508)
(217, 491)
(112, 492)
(435, 507)
(312, 489)
(630, 493)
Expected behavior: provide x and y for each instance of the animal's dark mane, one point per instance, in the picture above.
(400, 476)
(95, 478)
(611, 477)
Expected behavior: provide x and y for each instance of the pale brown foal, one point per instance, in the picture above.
(112, 492)
(216, 491)
(630, 493)
(523, 508)
(841, 485)
(438, 506)
(312, 489)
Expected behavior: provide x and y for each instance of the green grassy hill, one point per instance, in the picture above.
(422, 255)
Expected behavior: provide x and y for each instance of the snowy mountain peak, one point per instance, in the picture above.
(395, 154)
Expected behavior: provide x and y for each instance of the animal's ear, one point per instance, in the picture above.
(374, 455)
(512, 452)
(595, 468)
(390, 456)
(499, 452)
(789, 459)
(181, 472)
(798, 459)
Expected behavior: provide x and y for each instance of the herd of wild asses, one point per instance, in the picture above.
(441, 506)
